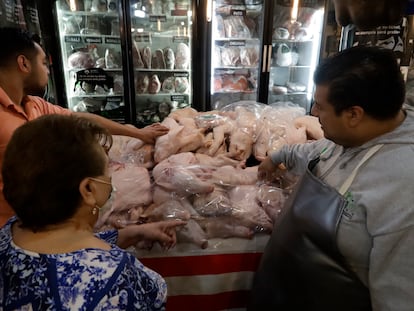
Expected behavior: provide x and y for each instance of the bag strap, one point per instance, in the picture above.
(345, 186)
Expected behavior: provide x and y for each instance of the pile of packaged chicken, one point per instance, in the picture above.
(204, 171)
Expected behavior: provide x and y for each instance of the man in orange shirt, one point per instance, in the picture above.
(24, 73)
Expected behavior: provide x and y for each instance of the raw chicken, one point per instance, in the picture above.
(172, 209)
(295, 135)
(272, 200)
(247, 210)
(133, 187)
(243, 134)
(219, 160)
(133, 192)
(241, 144)
(215, 203)
(312, 125)
(180, 138)
(224, 227)
(181, 174)
(161, 195)
(191, 134)
(131, 150)
(192, 233)
(219, 134)
(232, 176)
(187, 112)
(183, 180)
(166, 145)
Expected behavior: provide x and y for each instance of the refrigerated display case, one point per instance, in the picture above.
(90, 42)
(235, 51)
(161, 42)
(265, 51)
(131, 61)
(170, 54)
(296, 41)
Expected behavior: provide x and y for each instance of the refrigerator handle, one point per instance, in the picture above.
(209, 10)
(264, 57)
(269, 57)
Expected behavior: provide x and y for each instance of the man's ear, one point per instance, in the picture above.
(355, 114)
(23, 63)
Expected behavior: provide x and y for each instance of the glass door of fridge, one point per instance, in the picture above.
(237, 27)
(90, 41)
(296, 41)
(161, 36)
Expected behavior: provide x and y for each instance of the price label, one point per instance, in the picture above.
(73, 39)
(180, 74)
(238, 12)
(93, 39)
(237, 43)
(110, 40)
(142, 37)
(158, 18)
(94, 77)
(179, 12)
(180, 39)
(178, 98)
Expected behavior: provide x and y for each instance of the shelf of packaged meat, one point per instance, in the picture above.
(150, 83)
(92, 52)
(235, 81)
(236, 53)
(89, 23)
(152, 52)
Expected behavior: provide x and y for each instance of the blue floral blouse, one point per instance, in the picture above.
(87, 279)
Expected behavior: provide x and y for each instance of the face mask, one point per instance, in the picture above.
(107, 206)
(109, 203)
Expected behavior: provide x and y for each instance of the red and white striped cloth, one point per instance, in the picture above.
(209, 280)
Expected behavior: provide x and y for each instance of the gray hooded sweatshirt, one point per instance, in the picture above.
(376, 231)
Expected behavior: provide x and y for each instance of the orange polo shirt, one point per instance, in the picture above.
(11, 117)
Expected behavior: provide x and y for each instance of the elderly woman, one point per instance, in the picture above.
(56, 179)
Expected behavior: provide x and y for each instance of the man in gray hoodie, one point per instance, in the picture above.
(345, 240)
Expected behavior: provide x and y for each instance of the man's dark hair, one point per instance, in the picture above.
(363, 76)
(17, 41)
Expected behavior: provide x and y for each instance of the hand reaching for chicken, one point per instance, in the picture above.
(149, 133)
(269, 171)
(162, 232)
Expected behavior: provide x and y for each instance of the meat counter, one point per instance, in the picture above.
(205, 171)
